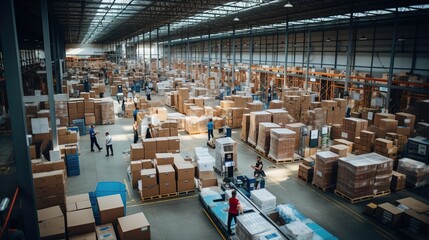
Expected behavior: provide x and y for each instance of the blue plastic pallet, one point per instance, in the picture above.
(73, 166)
(94, 205)
(80, 123)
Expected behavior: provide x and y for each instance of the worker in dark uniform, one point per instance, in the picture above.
(259, 172)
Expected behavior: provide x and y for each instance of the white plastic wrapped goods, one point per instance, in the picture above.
(264, 200)
(271, 235)
(206, 164)
(251, 225)
(297, 230)
(417, 172)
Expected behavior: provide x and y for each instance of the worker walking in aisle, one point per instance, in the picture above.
(148, 94)
(210, 126)
(109, 144)
(135, 100)
(93, 138)
(259, 172)
(233, 211)
(135, 113)
(136, 131)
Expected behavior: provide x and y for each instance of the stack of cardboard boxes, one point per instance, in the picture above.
(276, 104)
(80, 223)
(264, 137)
(325, 170)
(245, 125)
(398, 181)
(386, 148)
(364, 143)
(134, 226)
(282, 144)
(279, 116)
(61, 112)
(255, 119)
(51, 223)
(352, 128)
(293, 105)
(183, 95)
(185, 173)
(49, 188)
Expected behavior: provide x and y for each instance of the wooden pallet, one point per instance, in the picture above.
(382, 193)
(185, 192)
(159, 196)
(354, 200)
(261, 152)
(326, 189)
(287, 160)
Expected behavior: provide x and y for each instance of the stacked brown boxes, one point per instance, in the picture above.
(317, 118)
(255, 119)
(305, 172)
(417, 172)
(78, 202)
(369, 115)
(388, 125)
(398, 140)
(352, 128)
(296, 127)
(330, 107)
(305, 106)
(166, 179)
(264, 137)
(406, 123)
(279, 116)
(195, 111)
(39, 166)
(340, 110)
(149, 146)
(149, 183)
(276, 104)
(61, 112)
(379, 116)
(364, 143)
(339, 149)
(282, 144)
(383, 174)
(344, 142)
(49, 188)
(97, 112)
(182, 97)
(72, 108)
(51, 223)
(185, 173)
(62, 135)
(385, 147)
(255, 106)
(107, 111)
(388, 214)
(134, 226)
(325, 170)
(237, 117)
(336, 130)
(293, 105)
(398, 181)
(245, 127)
(161, 146)
(137, 152)
(173, 144)
(164, 159)
(135, 168)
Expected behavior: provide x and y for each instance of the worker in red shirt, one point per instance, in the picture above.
(234, 205)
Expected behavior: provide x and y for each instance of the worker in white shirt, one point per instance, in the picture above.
(109, 144)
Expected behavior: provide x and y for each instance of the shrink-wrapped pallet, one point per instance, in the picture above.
(255, 119)
(417, 172)
(325, 169)
(264, 136)
(279, 116)
(282, 144)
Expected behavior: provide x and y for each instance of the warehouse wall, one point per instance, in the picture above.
(411, 53)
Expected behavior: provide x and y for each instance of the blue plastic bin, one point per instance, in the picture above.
(112, 188)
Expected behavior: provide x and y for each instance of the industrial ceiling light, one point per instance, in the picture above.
(401, 39)
(363, 38)
(288, 5)
(236, 19)
(328, 40)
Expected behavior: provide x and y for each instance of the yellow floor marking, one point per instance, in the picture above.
(214, 224)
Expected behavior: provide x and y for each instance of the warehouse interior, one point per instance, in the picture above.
(331, 95)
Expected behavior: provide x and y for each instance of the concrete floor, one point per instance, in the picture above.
(184, 218)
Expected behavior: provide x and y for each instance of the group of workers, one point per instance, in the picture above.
(93, 138)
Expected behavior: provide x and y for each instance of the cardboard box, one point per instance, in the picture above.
(370, 209)
(173, 143)
(147, 163)
(388, 125)
(134, 226)
(77, 202)
(340, 149)
(51, 223)
(137, 152)
(166, 174)
(150, 191)
(161, 144)
(184, 171)
(413, 203)
(149, 143)
(206, 174)
(80, 222)
(167, 187)
(418, 222)
(148, 177)
(111, 208)
(86, 236)
(46, 179)
(149, 154)
(105, 232)
(388, 214)
(207, 182)
(136, 166)
(164, 159)
(186, 185)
